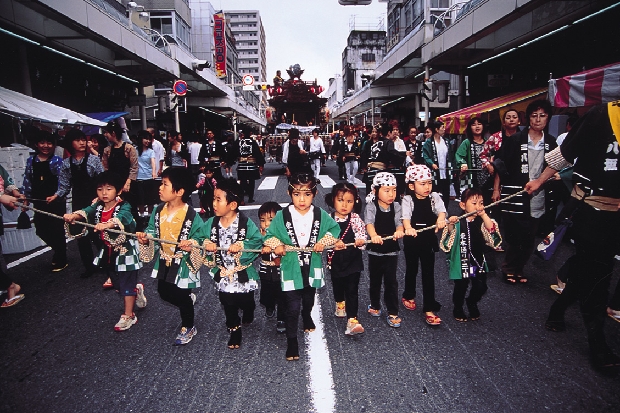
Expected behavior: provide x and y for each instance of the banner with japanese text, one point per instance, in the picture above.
(219, 37)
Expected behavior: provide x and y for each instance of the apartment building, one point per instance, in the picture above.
(247, 28)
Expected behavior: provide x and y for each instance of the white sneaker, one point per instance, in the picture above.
(125, 322)
(140, 297)
(353, 327)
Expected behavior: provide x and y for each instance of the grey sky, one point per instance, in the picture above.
(312, 33)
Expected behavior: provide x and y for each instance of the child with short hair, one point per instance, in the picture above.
(176, 266)
(421, 208)
(206, 187)
(231, 269)
(466, 255)
(118, 254)
(383, 218)
(303, 225)
(269, 271)
(346, 263)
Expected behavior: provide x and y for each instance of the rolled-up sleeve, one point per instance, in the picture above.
(556, 161)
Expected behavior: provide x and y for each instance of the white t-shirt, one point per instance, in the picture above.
(442, 157)
(160, 154)
(194, 151)
(302, 224)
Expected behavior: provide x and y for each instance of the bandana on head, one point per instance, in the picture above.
(384, 179)
(418, 173)
(381, 179)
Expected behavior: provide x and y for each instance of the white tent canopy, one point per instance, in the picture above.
(26, 107)
(302, 129)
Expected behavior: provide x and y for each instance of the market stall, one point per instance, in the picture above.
(456, 122)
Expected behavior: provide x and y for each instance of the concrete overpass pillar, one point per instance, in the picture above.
(462, 91)
(25, 69)
(142, 109)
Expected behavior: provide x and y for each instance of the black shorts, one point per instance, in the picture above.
(124, 281)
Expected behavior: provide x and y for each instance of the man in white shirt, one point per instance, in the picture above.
(194, 147)
(160, 153)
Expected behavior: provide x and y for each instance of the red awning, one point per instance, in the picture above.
(456, 122)
(588, 88)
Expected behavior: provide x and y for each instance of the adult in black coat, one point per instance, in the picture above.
(523, 158)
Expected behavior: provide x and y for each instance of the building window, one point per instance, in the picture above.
(162, 22)
(440, 4)
(368, 57)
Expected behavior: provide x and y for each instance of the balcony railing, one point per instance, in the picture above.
(118, 12)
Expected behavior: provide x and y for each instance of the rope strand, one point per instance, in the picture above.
(289, 248)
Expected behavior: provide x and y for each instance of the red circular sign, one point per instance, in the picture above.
(180, 87)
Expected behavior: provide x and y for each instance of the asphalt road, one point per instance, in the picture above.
(60, 353)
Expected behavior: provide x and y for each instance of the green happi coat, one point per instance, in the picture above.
(451, 243)
(188, 275)
(126, 256)
(290, 268)
(253, 240)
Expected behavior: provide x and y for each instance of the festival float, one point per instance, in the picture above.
(295, 102)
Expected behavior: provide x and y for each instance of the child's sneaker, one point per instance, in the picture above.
(409, 304)
(373, 312)
(353, 327)
(125, 322)
(341, 310)
(393, 321)
(185, 336)
(140, 297)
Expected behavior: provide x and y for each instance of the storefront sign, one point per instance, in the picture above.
(219, 36)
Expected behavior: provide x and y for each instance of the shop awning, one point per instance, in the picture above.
(587, 88)
(302, 129)
(456, 122)
(103, 117)
(25, 107)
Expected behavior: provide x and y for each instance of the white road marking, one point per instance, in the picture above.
(326, 181)
(321, 380)
(28, 257)
(359, 183)
(269, 182)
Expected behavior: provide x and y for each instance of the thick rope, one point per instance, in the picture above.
(289, 248)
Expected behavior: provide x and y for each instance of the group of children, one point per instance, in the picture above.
(289, 242)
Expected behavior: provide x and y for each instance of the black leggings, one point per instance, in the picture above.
(346, 289)
(383, 268)
(426, 258)
(478, 288)
(232, 303)
(271, 296)
(179, 297)
(298, 301)
(51, 230)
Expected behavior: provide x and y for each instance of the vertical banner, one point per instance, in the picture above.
(219, 36)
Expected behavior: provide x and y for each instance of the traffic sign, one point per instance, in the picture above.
(180, 87)
(248, 80)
